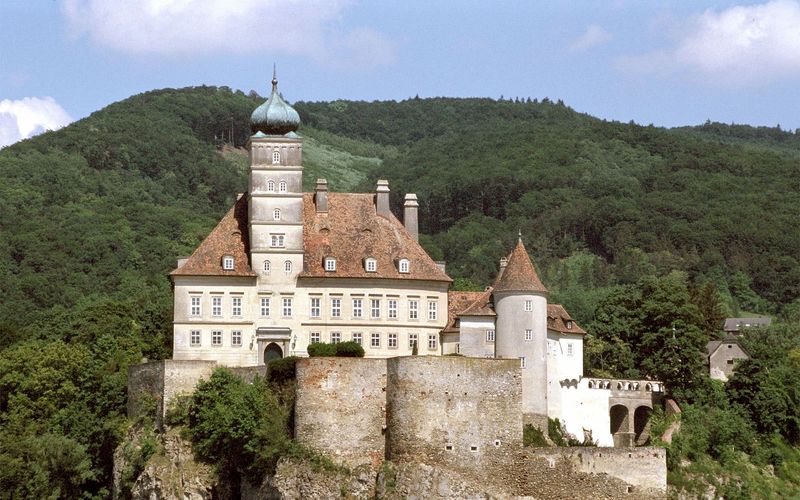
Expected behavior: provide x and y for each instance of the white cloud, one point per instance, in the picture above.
(593, 36)
(26, 117)
(739, 45)
(180, 27)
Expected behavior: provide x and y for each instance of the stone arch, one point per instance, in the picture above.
(272, 351)
(620, 425)
(641, 425)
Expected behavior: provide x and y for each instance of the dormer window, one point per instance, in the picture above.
(276, 214)
(227, 263)
(271, 186)
(276, 157)
(330, 264)
(403, 265)
(569, 324)
(370, 265)
(282, 187)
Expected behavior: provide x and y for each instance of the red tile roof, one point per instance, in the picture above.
(557, 318)
(351, 231)
(229, 237)
(457, 301)
(519, 275)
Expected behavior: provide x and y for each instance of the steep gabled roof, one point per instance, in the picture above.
(351, 231)
(713, 345)
(557, 318)
(457, 301)
(229, 237)
(519, 274)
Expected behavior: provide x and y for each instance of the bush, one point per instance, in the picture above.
(321, 349)
(533, 436)
(282, 370)
(349, 350)
(561, 437)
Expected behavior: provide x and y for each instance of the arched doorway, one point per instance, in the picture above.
(272, 351)
(620, 425)
(641, 425)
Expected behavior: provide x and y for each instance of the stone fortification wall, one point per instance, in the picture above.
(164, 380)
(463, 413)
(340, 408)
(643, 468)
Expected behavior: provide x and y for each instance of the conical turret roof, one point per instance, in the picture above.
(275, 116)
(519, 274)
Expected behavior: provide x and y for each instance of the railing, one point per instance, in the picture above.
(626, 385)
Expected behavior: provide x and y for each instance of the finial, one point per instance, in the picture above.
(519, 234)
(274, 77)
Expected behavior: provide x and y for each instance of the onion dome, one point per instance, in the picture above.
(275, 116)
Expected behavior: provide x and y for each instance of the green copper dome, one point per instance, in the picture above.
(275, 116)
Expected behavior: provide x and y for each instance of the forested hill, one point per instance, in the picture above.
(94, 215)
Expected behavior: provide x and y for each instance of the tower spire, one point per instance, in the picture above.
(274, 78)
(519, 235)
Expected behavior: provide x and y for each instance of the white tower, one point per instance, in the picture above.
(520, 301)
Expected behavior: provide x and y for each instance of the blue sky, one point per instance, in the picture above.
(667, 63)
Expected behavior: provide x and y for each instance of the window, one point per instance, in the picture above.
(216, 337)
(375, 340)
(570, 349)
(432, 342)
(528, 335)
(287, 267)
(403, 265)
(271, 186)
(236, 306)
(194, 310)
(267, 267)
(276, 240)
(336, 308)
(412, 340)
(522, 362)
(282, 187)
(529, 305)
(315, 307)
(375, 308)
(729, 361)
(357, 308)
(336, 337)
(287, 307)
(371, 265)
(194, 336)
(276, 157)
(489, 335)
(265, 306)
(413, 309)
(330, 264)
(357, 337)
(569, 324)
(236, 338)
(392, 309)
(227, 263)
(315, 336)
(276, 214)
(216, 305)
(392, 342)
(432, 309)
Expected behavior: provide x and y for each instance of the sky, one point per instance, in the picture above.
(667, 63)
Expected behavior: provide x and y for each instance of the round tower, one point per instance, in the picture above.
(520, 301)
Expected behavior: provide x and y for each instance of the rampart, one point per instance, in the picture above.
(643, 468)
(463, 413)
(340, 408)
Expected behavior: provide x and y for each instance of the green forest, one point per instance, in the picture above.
(649, 237)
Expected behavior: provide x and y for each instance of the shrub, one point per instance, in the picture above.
(533, 436)
(282, 370)
(321, 349)
(178, 411)
(349, 350)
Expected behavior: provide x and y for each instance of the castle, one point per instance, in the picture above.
(284, 269)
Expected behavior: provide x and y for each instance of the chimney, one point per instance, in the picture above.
(410, 209)
(382, 199)
(503, 264)
(321, 195)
